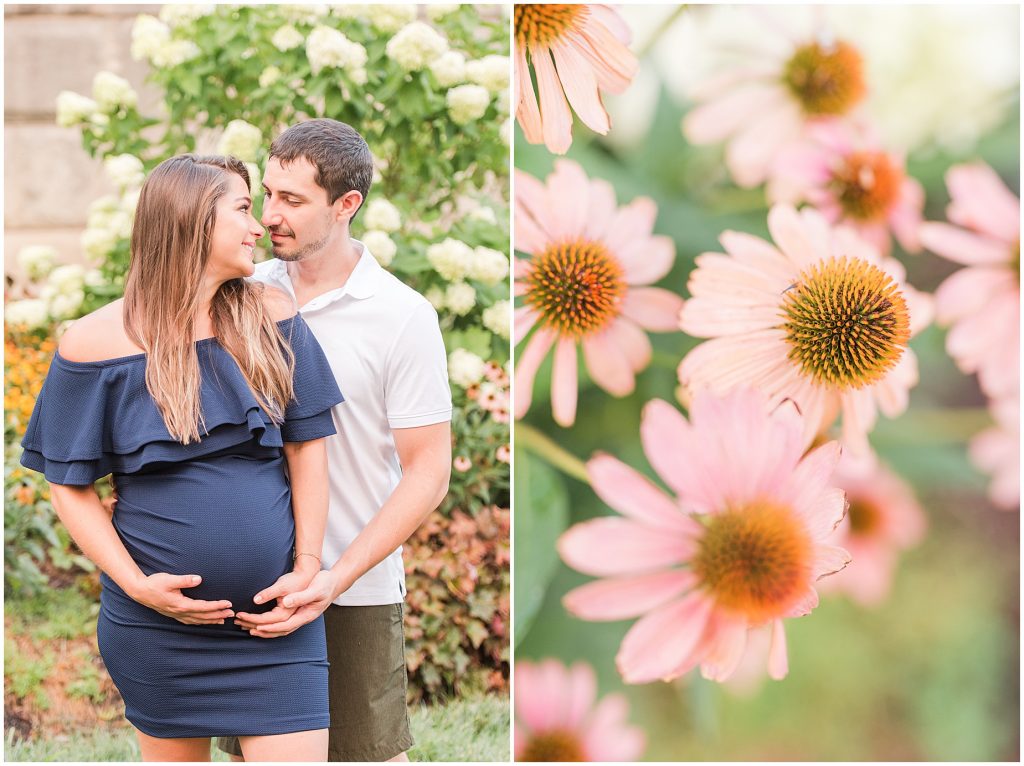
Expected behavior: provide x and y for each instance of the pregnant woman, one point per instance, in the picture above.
(196, 391)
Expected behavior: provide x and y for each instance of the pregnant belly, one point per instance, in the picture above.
(227, 519)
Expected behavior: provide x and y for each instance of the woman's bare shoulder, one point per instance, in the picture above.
(98, 336)
(279, 303)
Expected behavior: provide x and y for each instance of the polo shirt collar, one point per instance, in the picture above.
(361, 283)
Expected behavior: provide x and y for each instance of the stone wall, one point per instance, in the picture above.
(49, 180)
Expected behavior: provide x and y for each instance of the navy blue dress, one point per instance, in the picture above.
(219, 508)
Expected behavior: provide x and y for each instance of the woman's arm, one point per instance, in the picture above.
(81, 511)
(307, 471)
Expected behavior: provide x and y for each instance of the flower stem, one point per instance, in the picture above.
(542, 446)
(660, 31)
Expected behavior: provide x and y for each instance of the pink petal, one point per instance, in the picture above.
(524, 319)
(626, 597)
(581, 694)
(778, 661)
(527, 365)
(829, 559)
(667, 441)
(564, 387)
(968, 291)
(633, 342)
(612, 545)
(727, 650)
(566, 201)
(607, 737)
(557, 119)
(613, 63)
(607, 365)
(716, 120)
(791, 233)
(580, 86)
(906, 216)
(981, 201)
(647, 259)
(662, 640)
(629, 492)
(653, 308)
(540, 695)
(602, 209)
(805, 605)
(750, 153)
(527, 110)
(632, 221)
(963, 246)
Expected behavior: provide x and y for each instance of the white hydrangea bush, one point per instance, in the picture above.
(426, 86)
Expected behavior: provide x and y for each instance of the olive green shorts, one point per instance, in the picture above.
(367, 682)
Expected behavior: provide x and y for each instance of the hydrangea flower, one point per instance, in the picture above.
(559, 718)
(415, 46)
(241, 140)
(740, 545)
(576, 51)
(112, 92)
(381, 246)
(820, 318)
(467, 103)
(981, 303)
(585, 285)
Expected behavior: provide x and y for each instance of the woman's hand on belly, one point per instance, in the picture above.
(161, 592)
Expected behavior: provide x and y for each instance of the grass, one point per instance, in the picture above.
(475, 729)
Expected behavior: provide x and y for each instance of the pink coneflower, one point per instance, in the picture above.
(462, 463)
(557, 720)
(883, 520)
(996, 452)
(583, 285)
(741, 545)
(577, 51)
(843, 172)
(763, 106)
(820, 318)
(503, 453)
(981, 302)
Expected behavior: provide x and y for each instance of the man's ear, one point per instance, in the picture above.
(347, 205)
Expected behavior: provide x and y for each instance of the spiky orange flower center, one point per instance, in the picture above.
(553, 746)
(755, 561)
(576, 287)
(542, 24)
(865, 517)
(867, 184)
(846, 322)
(826, 79)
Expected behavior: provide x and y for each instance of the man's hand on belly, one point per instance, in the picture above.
(295, 581)
(293, 610)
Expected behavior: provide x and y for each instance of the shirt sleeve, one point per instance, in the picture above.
(416, 390)
(308, 416)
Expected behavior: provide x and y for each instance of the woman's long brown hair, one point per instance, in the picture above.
(170, 247)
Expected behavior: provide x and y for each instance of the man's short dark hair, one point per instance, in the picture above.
(340, 155)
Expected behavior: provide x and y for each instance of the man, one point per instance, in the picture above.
(389, 463)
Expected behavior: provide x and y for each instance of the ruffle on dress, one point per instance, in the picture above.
(96, 418)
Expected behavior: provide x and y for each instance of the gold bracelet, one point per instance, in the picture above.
(296, 555)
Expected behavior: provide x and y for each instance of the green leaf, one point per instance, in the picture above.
(542, 514)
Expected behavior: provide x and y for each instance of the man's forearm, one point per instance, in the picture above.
(419, 492)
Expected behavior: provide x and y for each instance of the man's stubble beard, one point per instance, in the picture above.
(306, 251)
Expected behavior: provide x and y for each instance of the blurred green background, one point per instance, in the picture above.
(933, 674)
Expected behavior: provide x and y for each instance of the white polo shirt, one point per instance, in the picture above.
(384, 346)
